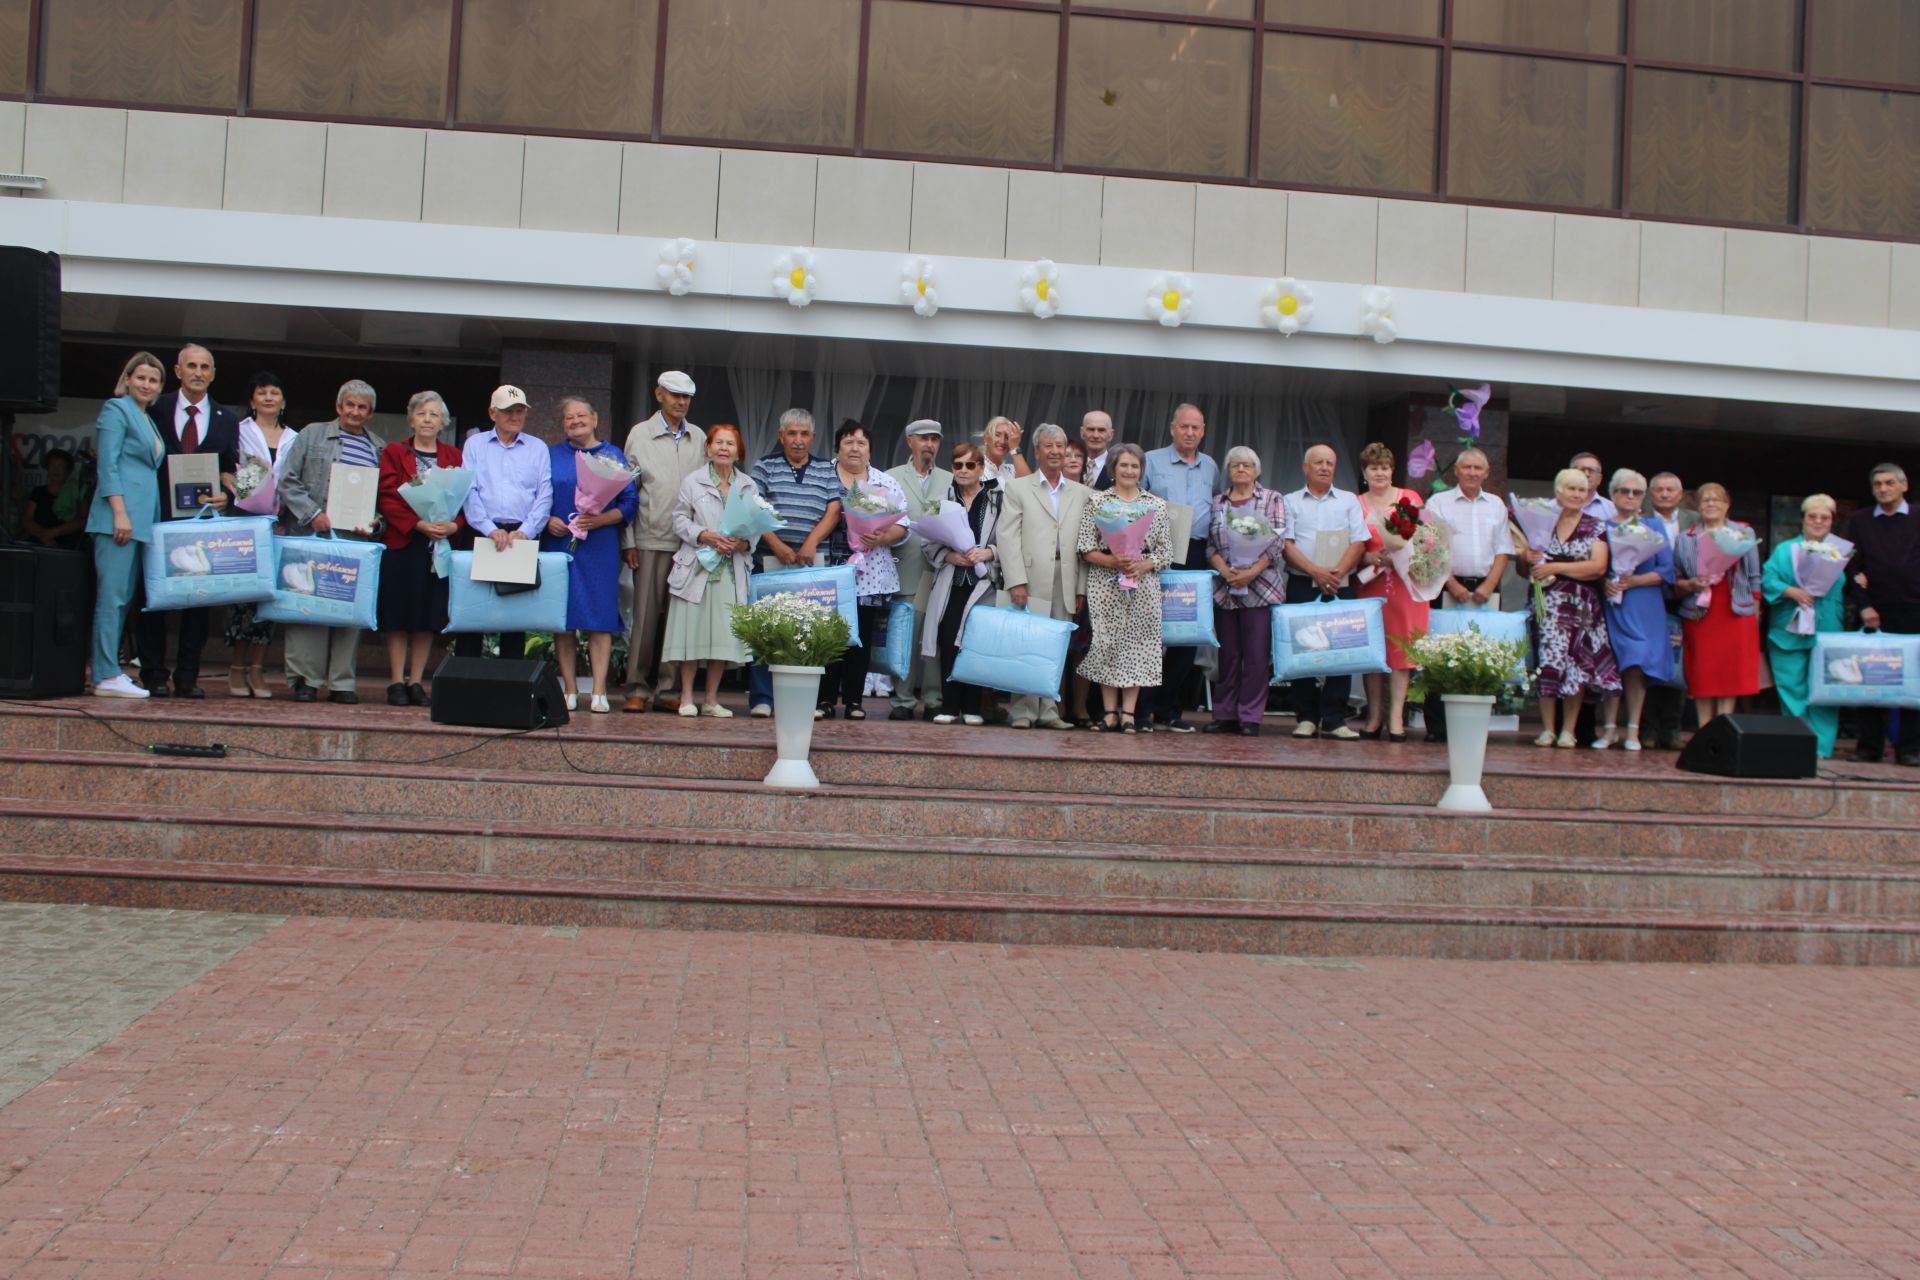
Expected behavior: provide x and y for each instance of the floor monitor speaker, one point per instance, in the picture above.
(1753, 747)
(46, 616)
(498, 693)
(29, 330)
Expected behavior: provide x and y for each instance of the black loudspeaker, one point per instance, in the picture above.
(29, 330)
(1753, 747)
(498, 693)
(46, 615)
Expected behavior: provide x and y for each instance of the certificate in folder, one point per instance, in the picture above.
(517, 566)
(351, 495)
(192, 480)
(1330, 548)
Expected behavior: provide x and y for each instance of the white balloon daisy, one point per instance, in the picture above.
(793, 277)
(1287, 305)
(1170, 300)
(675, 271)
(917, 286)
(1040, 288)
(1377, 319)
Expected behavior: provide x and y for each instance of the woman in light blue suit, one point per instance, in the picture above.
(125, 505)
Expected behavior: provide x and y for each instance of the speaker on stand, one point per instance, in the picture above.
(498, 693)
(1742, 746)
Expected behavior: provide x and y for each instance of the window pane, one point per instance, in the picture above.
(989, 96)
(780, 71)
(1533, 130)
(13, 45)
(1579, 26)
(1867, 40)
(1713, 147)
(1397, 17)
(1863, 163)
(559, 64)
(1158, 98)
(176, 53)
(1242, 9)
(383, 59)
(1761, 34)
(1348, 113)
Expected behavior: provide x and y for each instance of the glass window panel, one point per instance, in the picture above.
(1578, 26)
(1713, 147)
(782, 71)
(1348, 113)
(1863, 162)
(1158, 98)
(559, 64)
(381, 59)
(176, 53)
(1760, 34)
(1242, 9)
(1533, 130)
(988, 96)
(1875, 40)
(13, 45)
(1396, 17)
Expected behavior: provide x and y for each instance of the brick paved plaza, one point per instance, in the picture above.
(370, 1097)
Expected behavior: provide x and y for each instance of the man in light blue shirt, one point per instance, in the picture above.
(512, 493)
(1181, 474)
(1326, 534)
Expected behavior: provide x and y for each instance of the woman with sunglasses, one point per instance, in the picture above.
(957, 587)
(1636, 612)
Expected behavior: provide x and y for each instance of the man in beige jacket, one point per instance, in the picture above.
(664, 450)
(1035, 544)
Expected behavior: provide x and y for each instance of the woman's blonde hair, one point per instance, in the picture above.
(1819, 502)
(139, 358)
(1710, 489)
(1571, 475)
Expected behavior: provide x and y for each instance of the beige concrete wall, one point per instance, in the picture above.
(637, 189)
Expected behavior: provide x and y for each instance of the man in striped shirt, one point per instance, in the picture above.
(806, 492)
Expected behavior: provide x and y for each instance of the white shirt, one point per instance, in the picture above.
(1668, 526)
(1053, 491)
(1480, 530)
(1307, 516)
(1900, 510)
(253, 441)
(1005, 472)
(1094, 467)
(1602, 508)
(202, 415)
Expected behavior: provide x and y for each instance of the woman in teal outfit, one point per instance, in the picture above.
(125, 506)
(1791, 654)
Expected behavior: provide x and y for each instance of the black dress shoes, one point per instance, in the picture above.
(1249, 730)
(189, 691)
(1864, 755)
(900, 713)
(161, 690)
(417, 696)
(1220, 726)
(302, 691)
(397, 694)
(346, 696)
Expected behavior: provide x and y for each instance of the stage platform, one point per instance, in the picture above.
(1264, 845)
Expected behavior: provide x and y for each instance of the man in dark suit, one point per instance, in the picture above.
(1096, 434)
(189, 422)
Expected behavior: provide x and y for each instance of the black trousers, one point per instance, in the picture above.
(1899, 620)
(150, 641)
(1167, 702)
(846, 680)
(513, 644)
(1318, 701)
(1434, 710)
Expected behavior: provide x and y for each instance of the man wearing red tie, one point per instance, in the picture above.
(189, 422)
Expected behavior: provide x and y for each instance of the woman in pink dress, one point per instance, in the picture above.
(1405, 616)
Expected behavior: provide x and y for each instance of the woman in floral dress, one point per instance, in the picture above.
(1575, 654)
(1124, 655)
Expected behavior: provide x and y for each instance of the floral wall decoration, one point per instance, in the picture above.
(1376, 317)
(793, 277)
(917, 287)
(1170, 300)
(1286, 306)
(1040, 288)
(675, 271)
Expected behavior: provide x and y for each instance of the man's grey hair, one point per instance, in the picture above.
(1574, 461)
(1473, 451)
(795, 418)
(1625, 476)
(1048, 431)
(1886, 469)
(419, 398)
(1658, 476)
(1181, 408)
(1091, 414)
(193, 346)
(1241, 453)
(357, 389)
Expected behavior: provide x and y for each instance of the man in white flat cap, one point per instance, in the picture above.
(926, 483)
(664, 449)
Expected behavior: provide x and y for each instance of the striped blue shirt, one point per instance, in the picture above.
(357, 450)
(799, 494)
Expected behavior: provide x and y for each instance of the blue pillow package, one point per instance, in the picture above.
(1013, 650)
(1329, 638)
(834, 588)
(476, 606)
(324, 582)
(208, 559)
(1186, 608)
(1864, 669)
(893, 650)
(1493, 624)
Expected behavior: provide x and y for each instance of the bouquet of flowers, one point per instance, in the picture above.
(1535, 518)
(948, 528)
(1718, 552)
(791, 631)
(1632, 543)
(1246, 536)
(748, 516)
(1425, 558)
(1816, 567)
(597, 482)
(436, 496)
(254, 483)
(868, 513)
(1465, 662)
(1402, 522)
(1123, 527)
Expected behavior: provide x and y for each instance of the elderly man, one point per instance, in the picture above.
(327, 657)
(1599, 506)
(1886, 549)
(805, 490)
(512, 494)
(1482, 545)
(663, 450)
(189, 422)
(1035, 543)
(1326, 536)
(1182, 475)
(926, 484)
(1096, 436)
(1662, 715)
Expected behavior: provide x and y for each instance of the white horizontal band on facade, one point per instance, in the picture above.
(145, 251)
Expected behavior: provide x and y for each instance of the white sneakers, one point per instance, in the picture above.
(1305, 729)
(119, 687)
(760, 711)
(599, 706)
(573, 701)
(944, 718)
(688, 710)
(717, 711)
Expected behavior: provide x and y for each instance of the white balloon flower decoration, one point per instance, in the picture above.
(793, 277)
(1040, 288)
(1377, 319)
(1287, 305)
(675, 271)
(917, 286)
(1170, 299)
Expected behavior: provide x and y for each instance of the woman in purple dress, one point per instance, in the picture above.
(1574, 651)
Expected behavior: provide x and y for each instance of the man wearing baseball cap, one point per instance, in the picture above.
(926, 484)
(664, 450)
(512, 493)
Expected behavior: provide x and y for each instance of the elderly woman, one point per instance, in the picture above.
(1636, 613)
(125, 504)
(1125, 652)
(1575, 655)
(1720, 643)
(1404, 616)
(1244, 594)
(593, 579)
(1791, 651)
(957, 587)
(700, 599)
(877, 577)
(412, 608)
(264, 435)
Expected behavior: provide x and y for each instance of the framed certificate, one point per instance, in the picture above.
(192, 480)
(518, 565)
(351, 495)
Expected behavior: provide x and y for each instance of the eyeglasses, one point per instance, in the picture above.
(1632, 493)
(966, 466)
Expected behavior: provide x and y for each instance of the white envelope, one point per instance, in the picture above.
(352, 494)
(1180, 526)
(519, 563)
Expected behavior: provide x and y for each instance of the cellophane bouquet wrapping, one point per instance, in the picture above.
(1246, 536)
(436, 496)
(1718, 551)
(868, 513)
(1535, 518)
(948, 528)
(1124, 527)
(256, 489)
(1630, 544)
(598, 481)
(747, 516)
(1402, 522)
(1425, 560)
(1816, 567)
